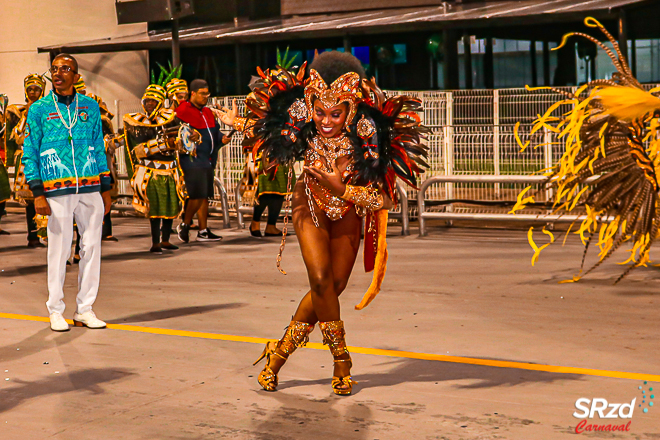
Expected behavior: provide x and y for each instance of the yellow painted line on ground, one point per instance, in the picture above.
(373, 351)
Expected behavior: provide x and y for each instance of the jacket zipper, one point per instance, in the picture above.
(208, 129)
(73, 151)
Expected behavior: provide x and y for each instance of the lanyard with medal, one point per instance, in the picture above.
(72, 123)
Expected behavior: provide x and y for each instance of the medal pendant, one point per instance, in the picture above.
(70, 138)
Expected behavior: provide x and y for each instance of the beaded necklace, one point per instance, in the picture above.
(71, 123)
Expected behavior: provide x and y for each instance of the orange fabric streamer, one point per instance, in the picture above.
(381, 259)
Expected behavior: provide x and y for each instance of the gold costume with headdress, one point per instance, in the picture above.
(5, 187)
(374, 161)
(157, 179)
(173, 87)
(15, 135)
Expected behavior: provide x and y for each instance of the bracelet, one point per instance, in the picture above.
(239, 123)
(368, 198)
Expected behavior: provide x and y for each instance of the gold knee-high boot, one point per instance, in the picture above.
(334, 336)
(295, 335)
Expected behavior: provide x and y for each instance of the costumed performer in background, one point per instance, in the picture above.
(34, 86)
(177, 92)
(109, 134)
(5, 187)
(270, 193)
(157, 180)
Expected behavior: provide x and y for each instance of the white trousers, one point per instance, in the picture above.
(88, 210)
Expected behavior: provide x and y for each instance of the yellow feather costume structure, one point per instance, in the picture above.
(610, 162)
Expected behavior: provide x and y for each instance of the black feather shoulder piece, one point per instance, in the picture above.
(389, 140)
(277, 110)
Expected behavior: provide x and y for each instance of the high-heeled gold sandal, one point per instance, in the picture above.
(334, 336)
(343, 386)
(295, 335)
(267, 379)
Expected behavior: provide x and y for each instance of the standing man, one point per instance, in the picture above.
(198, 171)
(34, 86)
(66, 169)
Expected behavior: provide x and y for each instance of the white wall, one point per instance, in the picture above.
(28, 24)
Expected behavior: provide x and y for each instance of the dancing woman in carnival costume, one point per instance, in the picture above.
(354, 143)
(607, 168)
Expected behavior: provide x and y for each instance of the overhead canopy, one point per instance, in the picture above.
(469, 15)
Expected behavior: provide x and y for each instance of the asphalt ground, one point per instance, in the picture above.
(466, 341)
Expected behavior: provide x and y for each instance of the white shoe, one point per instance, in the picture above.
(87, 319)
(57, 323)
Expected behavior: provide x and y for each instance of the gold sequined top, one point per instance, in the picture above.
(322, 153)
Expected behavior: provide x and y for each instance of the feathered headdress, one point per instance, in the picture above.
(346, 89)
(610, 164)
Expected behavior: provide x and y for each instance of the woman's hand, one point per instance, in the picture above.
(331, 180)
(226, 115)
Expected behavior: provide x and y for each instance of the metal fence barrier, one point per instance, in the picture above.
(403, 211)
(489, 216)
(472, 134)
(224, 203)
(242, 209)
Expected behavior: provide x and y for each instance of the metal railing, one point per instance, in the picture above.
(449, 215)
(224, 203)
(402, 212)
(242, 209)
(472, 134)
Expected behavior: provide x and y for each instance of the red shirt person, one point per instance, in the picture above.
(198, 170)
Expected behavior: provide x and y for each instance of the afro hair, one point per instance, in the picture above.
(333, 64)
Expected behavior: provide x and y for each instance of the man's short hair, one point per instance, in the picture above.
(68, 57)
(197, 84)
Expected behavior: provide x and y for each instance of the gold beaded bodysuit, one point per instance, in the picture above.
(322, 153)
